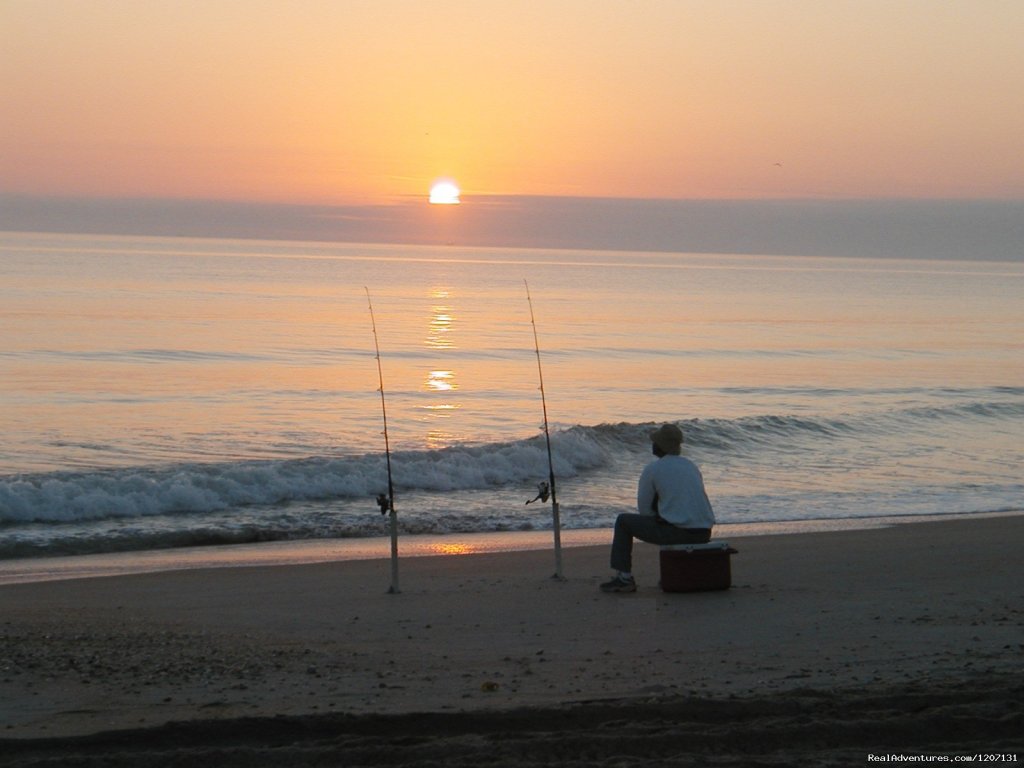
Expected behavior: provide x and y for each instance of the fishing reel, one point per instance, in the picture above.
(543, 492)
(384, 503)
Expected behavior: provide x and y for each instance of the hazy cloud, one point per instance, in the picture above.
(952, 229)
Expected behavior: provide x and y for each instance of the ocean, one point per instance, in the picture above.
(169, 393)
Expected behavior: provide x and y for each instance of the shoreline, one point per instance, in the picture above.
(896, 614)
(284, 553)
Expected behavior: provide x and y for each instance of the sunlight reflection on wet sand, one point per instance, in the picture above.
(334, 550)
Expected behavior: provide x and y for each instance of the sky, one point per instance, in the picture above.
(362, 106)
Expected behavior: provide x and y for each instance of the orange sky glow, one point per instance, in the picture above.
(336, 103)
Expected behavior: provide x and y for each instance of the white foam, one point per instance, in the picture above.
(198, 488)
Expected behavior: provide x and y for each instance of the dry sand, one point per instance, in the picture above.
(828, 648)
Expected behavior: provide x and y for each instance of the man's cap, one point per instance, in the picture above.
(668, 437)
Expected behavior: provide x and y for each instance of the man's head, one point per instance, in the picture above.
(667, 440)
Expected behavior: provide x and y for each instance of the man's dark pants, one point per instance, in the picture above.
(651, 529)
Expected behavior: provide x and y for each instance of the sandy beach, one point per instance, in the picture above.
(829, 647)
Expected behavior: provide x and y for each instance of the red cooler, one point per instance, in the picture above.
(696, 567)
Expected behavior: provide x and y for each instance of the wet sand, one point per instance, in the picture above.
(829, 647)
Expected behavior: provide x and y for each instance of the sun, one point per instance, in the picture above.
(444, 193)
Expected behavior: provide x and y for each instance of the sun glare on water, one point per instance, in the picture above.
(444, 193)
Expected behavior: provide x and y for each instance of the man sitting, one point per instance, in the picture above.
(672, 507)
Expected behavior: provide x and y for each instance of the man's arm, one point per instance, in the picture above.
(646, 493)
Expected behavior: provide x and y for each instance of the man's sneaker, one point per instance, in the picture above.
(619, 584)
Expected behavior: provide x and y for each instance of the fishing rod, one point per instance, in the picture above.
(547, 489)
(386, 502)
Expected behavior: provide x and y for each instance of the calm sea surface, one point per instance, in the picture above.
(162, 392)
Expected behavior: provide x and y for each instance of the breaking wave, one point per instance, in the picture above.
(64, 497)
